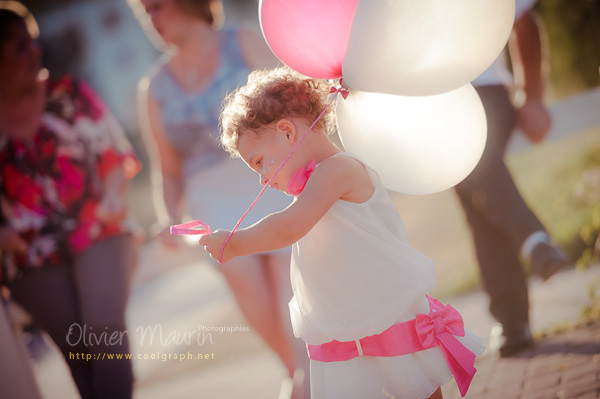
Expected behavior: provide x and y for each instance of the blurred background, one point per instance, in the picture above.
(101, 42)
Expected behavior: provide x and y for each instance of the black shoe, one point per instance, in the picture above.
(546, 260)
(507, 343)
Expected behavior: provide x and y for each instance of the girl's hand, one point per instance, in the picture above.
(11, 241)
(111, 209)
(213, 242)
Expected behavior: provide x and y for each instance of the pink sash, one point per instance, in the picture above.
(437, 328)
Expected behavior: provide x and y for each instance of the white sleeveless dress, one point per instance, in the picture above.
(354, 275)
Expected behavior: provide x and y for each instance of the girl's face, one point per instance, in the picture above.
(168, 19)
(20, 60)
(264, 153)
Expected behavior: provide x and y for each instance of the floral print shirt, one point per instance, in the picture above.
(51, 184)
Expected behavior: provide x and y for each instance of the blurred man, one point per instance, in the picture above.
(505, 231)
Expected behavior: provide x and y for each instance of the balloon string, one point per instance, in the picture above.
(333, 90)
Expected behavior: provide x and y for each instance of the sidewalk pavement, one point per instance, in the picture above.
(182, 299)
(565, 365)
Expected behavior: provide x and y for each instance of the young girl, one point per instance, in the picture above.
(360, 290)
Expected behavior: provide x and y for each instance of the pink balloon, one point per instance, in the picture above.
(309, 36)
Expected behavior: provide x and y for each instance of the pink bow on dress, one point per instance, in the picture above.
(439, 327)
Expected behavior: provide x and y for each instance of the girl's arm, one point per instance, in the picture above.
(335, 178)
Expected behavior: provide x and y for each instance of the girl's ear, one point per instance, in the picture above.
(288, 129)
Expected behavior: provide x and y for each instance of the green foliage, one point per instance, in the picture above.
(550, 176)
(590, 237)
(573, 33)
(591, 311)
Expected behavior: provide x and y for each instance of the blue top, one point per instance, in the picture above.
(191, 120)
(218, 189)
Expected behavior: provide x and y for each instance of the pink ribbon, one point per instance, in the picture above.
(344, 94)
(190, 228)
(300, 177)
(437, 328)
(340, 90)
(440, 327)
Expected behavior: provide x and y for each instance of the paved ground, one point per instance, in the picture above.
(563, 366)
(182, 298)
(565, 362)
(177, 293)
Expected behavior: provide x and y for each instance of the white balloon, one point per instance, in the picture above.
(424, 47)
(417, 145)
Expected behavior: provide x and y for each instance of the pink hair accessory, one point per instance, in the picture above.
(300, 177)
(195, 227)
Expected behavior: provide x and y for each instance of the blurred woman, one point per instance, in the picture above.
(180, 105)
(66, 241)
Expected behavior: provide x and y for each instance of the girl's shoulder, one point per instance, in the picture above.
(334, 174)
(345, 162)
(349, 171)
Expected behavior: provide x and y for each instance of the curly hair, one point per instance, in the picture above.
(269, 96)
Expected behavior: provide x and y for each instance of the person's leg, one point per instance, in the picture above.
(491, 191)
(102, 279)
(499, 219)
(490, 186)
(502, 276)
(48, 294)
(504, 281)
(278, 267)
(250, 283)
(495, 196)
(16, 374)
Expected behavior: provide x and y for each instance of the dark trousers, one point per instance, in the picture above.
(88, 296)
(498, 217)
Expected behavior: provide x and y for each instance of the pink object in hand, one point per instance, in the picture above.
(300, 177)
(195, 227)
